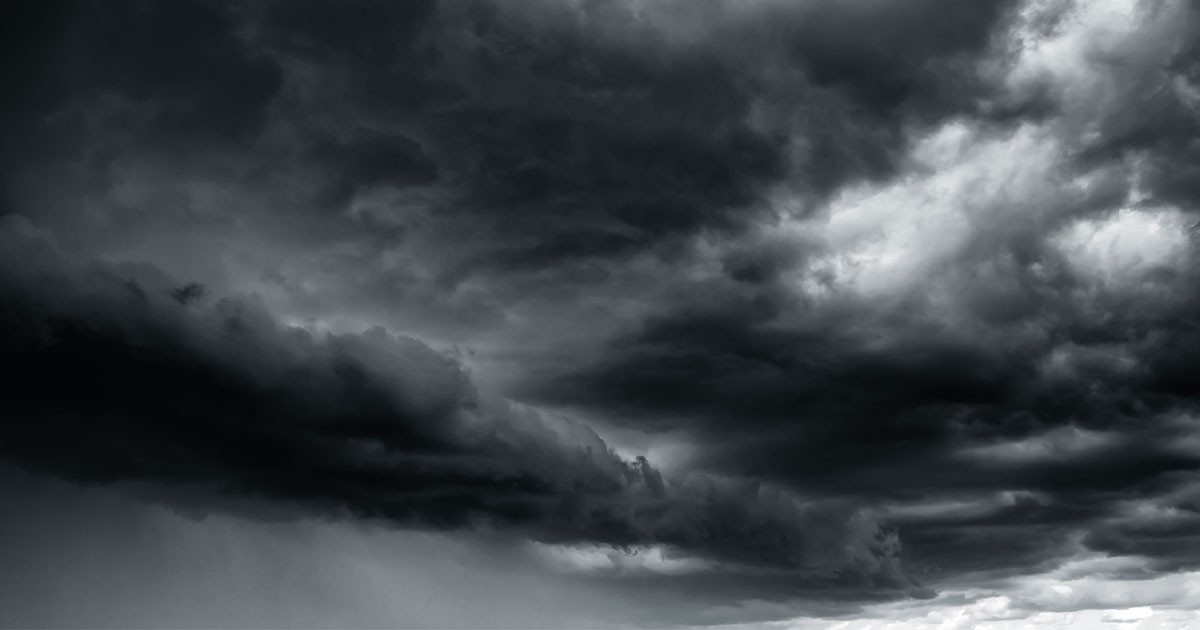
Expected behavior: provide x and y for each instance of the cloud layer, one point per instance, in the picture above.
(867, 299)
(115, 376)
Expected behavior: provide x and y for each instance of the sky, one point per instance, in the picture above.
(754, 314)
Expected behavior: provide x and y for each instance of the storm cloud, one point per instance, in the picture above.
(814, 305)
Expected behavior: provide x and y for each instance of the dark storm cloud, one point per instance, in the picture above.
(110, 380)
(847, 404)
(919, 400)
(599, 132)
(444, 163)
(561, 131)
(130, 73)
(637, 212)
(552, 139)
(918, 60)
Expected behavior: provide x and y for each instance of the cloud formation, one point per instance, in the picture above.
(115, 376)
(865, 298)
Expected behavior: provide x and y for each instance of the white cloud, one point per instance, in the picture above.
(1086, 592)
(1122, 249)
(889, 238)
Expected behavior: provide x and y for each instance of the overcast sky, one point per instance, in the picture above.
(588, 313)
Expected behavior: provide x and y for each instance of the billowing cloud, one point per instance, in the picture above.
(113, 377)
(867, 299)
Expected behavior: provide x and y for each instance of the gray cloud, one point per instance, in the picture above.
(849, 275)
(113, 377)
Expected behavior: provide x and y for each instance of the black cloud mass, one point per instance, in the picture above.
(785, 308)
